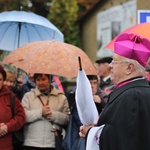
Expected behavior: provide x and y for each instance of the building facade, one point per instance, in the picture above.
(104, 21)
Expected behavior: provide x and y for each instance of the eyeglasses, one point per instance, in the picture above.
(118, 62)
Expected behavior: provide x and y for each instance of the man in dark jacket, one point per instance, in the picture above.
(104, 73)
(124, 123)
(24, 85)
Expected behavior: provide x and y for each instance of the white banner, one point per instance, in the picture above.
(86, 107)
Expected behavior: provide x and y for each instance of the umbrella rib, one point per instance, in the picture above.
(32, 25)
(19, 30)
(1, 24)
(44, 29)
(51, 36)
(17, 35)
(27, 32)
(9, 25)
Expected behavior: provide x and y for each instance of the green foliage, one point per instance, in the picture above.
(8, 5)
(64, 14)
(40, 7)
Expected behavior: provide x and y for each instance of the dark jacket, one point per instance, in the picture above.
(106, 84)
(79, 143)
(126, 118)
(26, 87)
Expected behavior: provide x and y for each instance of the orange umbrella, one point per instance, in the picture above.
(140, 29)
(50, 57)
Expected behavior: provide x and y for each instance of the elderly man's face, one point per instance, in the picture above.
(118, 69)
(103, 69)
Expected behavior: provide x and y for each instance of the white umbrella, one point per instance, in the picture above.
(87, 110)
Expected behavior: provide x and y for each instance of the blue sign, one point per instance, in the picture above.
(143, 15)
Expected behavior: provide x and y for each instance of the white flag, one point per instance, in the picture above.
(86, 107)
(93, 138)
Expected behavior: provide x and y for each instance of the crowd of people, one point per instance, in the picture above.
(120, 92)
(39, 106)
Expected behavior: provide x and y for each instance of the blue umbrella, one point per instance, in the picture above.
(19, 27)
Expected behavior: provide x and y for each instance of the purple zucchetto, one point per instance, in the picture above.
(133, 47)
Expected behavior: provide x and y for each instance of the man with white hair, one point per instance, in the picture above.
(124, 123)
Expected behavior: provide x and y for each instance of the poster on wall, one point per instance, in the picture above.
(113, 21)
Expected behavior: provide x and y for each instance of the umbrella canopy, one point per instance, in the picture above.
(50, 57)
(19, 27)
(140, 29)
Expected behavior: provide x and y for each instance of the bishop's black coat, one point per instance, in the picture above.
(127, 118)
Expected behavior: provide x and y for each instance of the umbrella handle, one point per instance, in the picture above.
(80, 65)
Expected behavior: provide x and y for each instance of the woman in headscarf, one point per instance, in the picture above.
(8, 124)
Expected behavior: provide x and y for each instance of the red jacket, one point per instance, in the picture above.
(6, 117)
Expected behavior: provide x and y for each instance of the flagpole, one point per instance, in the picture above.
(80, 65)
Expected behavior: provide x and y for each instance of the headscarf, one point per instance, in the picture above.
(3, 72)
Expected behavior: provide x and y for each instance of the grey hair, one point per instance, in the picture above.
(138, 67)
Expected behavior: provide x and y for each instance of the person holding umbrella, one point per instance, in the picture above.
(47, 111)
(124, 123)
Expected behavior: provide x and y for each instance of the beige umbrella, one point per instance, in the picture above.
(50, 57)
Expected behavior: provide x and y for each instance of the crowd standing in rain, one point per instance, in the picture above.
(33, 104)
(124, 123)
(44, 111)
(43, 104)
